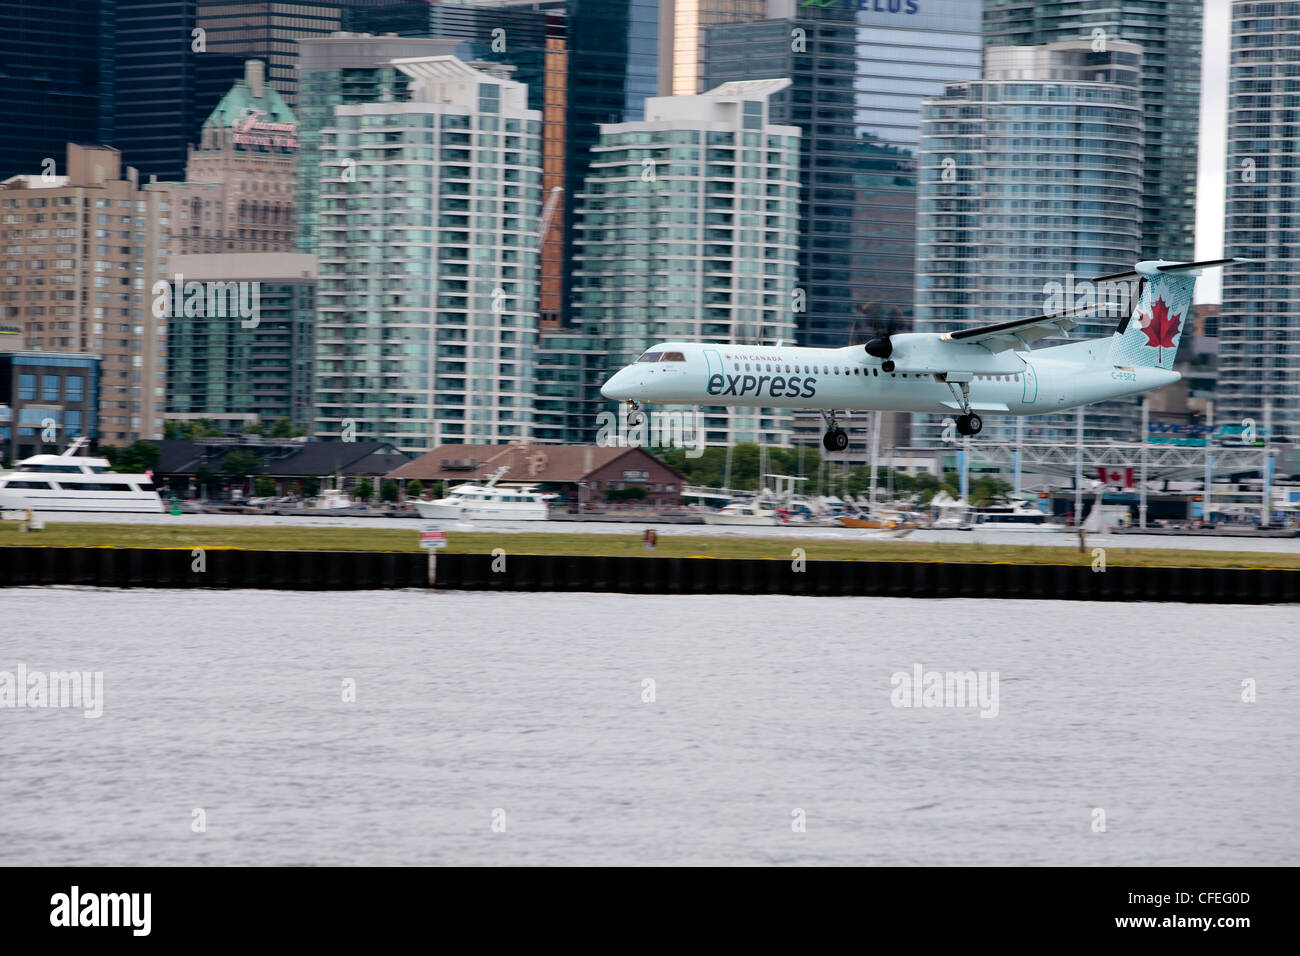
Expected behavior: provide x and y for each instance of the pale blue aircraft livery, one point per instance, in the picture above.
(988, 370)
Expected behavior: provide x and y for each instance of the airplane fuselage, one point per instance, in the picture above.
(1008, 383)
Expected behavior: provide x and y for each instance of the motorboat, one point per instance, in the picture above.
(488, 501)
(73, 482)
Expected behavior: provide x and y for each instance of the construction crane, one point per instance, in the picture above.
(548, 212)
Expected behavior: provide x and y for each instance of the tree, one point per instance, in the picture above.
(134, 459)
(365, 489)
(239, 464)
(987, 489)
(710, 468)
(284, 428)
(253, 428)
(388, 491)
(310, 487)
(199, 429)
(265, 487)
(414, 488)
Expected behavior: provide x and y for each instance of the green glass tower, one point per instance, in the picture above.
(1169, 32)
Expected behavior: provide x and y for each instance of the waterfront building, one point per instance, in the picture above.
(1030, 187)
(82, 254)
(427, 307)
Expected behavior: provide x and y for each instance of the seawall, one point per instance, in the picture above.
(364, 570)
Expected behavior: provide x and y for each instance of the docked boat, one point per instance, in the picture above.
(331, 499)
(1017, 516)
(488, 501)
(72, 482)
(743, 513)
(865, 519)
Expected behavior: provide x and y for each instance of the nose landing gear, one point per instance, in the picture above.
(634, 414)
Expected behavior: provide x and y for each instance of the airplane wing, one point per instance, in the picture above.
(1018, 333)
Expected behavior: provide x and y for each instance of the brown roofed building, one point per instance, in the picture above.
(577, 472)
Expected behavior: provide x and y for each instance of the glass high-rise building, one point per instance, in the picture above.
(427, 306)
(221, 365)
(343, 71)
(859, 73)
(1031, 183)
(688, 230)
(56, 81)
(681, 38)
(1259, 327)
(1169, 32)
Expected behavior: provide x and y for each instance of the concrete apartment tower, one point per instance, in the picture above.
(82, 254)
(427, 310)
(689, 229)
(1030, 180)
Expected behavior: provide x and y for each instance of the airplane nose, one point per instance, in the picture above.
(612, 389)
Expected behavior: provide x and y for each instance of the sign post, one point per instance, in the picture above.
(431, 539)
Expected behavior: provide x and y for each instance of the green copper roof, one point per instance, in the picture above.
(240, 99)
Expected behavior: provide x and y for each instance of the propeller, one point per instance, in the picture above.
(881, 344)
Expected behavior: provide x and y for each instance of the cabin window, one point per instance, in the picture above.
(146, 486)
(673, 357)
(650, 357)
(875, 371)
(40, 485)
(746, 366)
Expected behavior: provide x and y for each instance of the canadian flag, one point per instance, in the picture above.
(1115, 476)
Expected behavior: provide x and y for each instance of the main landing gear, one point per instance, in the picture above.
(634, 414)
(968, 423)
(836, 438)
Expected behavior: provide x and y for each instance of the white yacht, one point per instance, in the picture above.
(743, 512)
(1017, 516)
(69, 482)
(487, 501)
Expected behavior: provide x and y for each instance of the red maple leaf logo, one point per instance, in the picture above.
(1160, 327)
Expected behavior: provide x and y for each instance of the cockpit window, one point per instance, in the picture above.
(650, 357)
(673, 357)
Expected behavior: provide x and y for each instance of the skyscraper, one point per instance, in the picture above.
(1031, 186)
(340, 71)
(688, 229)
(56, 81)
(240, 186)
(1169, 32)
(93, 244)
(681, 38)
(1259, 328)
(859, 73)
(428, 262)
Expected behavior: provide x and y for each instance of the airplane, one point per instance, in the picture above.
(989, 369)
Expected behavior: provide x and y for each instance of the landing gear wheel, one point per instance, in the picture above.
(634, 415)
(836, 439)
(970, 424)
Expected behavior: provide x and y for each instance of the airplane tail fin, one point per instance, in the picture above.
(1149, 337)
